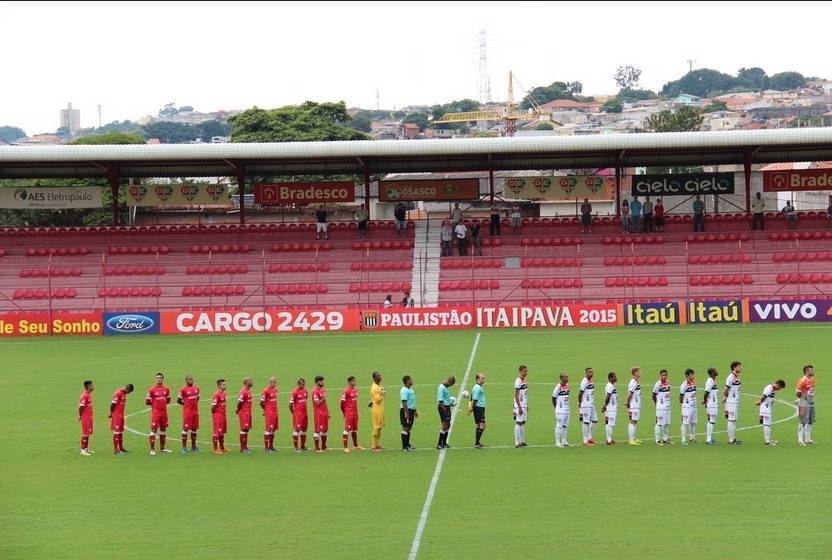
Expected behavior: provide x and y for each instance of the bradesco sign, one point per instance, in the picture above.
(683, 185)
(797, 180)
(775, 311)
(304, 193)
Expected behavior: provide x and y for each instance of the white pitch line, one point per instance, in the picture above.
(423, 517)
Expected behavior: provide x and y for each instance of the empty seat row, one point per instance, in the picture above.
(213, 290)
(130, 291)
(379, 245)
(723, 280)
(716, 238)
(217, 269)
(291, 289)
(299, 247)
(56, 251)
(60, 293)
(138, 249)
(448, 286)
(633, 281)
(383, 265)
(300, 267)
(457, 264)
(234, 248)
(633, 240)
(815, 278)
(552, 283)
(134, 270)
(726, 258)
(491, 242)
(55, 272)
(640, 260)
(2, 252)
(550, 241)
(802, 235)
(801, 257)
(380, 287)
(550, 263)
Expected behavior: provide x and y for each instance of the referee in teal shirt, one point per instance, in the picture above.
(407, 413)
(443, 399)
(477, 406)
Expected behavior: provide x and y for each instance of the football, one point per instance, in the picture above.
(453, 401)
(465, 395)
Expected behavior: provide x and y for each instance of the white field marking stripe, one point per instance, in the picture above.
(423, 517)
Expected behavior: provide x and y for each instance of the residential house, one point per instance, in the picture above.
(686, 99)
(572, 105)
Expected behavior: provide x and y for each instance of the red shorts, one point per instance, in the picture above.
(117, 424)
(159, 421)
(86, 426)
(351, 423)
(300, 423)
(220, 425)
(271, 421)
(190, 420)
(245, 421)
(321, 423)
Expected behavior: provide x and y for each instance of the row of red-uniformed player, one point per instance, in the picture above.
(158, 398)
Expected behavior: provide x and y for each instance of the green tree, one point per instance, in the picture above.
(700, 82)
(612, 105)
(714, 107)
(755, 78)
(785, 81)
(555, 90)
(11, 133)
(361, 122)
(307, 122)
(172, 132)
(459, 106)
(628, 95)
(544, 126)
(627, 77)
(418, 118)
(110, 138)
(209, 129)
(685, 119)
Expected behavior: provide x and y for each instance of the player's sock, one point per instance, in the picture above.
(710, 430)
(193, 439)
(731, 430)
(162, 438)
(631, 431)
(303, 440)
(801, 430)
(404, 439)
(557, 434)
(184, 439)
(666, 429)
(608, 431)
(692, 431)
(439, 441)
(684, 433)
(266, 440)
(121, 442)
(346, 438)
(591, 429)
(85, 441)
(271, 441)
(355, 439)
(295, 439)
(517, 438)
(808, 432)
(243, 440)
(323, 440)
(115, 443)
(222, 443)
(478, 436)
(658, 432)
(767, 433)
(523, 433)
(585, 431)
(317, 437)
(153, 442)
(215, 441)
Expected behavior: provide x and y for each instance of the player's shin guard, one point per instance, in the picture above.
(162, 438)
(193, 439)
(153, 442)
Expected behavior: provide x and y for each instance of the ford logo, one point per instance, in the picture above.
(130, 323)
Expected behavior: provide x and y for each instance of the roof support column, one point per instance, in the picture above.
(366, 189)
(491, 180)
(747, 169)
(241, 189)
(618, 184)
(114, 178)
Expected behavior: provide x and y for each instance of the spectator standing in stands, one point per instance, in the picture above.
(647, 212)
(698, 214)
(791, 215)
(388, 301)
(658, 215)
(475, 239)
(586, 217)
(494, 219)
(446, 236)
(515, 217)
(400, 213)
(321, 226)
(362, 217)
(408, 301)
(625, 216)
(759, 208)
(635, 212)
(456, 214)
(461, 238)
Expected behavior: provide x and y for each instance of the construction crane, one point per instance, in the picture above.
(508, 114)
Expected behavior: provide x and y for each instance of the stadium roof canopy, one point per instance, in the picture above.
(402, 156)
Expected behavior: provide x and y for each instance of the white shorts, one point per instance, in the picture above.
(712, 414)
(731, 411)
(610, 416)
(663, 417)
(562, 420)
(635, 414)
(689, 416)
(765, 420)
(520, 415)
(320, 227)
(588, 414)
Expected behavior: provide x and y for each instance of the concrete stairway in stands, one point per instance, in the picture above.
(426, 251)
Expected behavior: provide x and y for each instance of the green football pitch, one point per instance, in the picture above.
(642, 502)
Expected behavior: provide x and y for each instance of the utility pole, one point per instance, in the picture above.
(377, 102)
(691, 62)
(99, 115)
(484, 87)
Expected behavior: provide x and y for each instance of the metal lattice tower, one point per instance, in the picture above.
(484, 88)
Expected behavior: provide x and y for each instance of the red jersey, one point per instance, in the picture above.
(319, 401)
(85, 404)
(298, 400)
(159, 398)
(269, 399)
(189, 397)
(245, 398)
(349, 401)
(120, 400)
(218, 402)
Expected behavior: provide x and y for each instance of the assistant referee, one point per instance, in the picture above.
(477, 406)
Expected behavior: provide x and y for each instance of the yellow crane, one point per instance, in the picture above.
(508, 114)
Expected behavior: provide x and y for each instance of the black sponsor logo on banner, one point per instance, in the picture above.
(683, 185)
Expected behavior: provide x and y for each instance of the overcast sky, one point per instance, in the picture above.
(132, 58)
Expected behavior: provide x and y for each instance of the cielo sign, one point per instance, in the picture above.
(131, 323)
(683, 184)
(776, 311)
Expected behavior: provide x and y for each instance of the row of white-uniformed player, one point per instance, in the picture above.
(661, 395)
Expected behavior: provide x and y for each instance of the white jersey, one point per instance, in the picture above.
(612, 392)
(733, 383)
(634, 389)
(711, 394)
(688, 392)
(523, 396)
(588, 388)
(662, 392)
(561, 396)
(767, 401)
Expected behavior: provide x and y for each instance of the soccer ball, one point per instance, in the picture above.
(466, 395)
(453, 401)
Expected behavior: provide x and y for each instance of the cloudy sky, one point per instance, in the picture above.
(132, 58)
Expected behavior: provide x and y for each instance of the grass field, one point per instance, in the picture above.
(540, 502)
